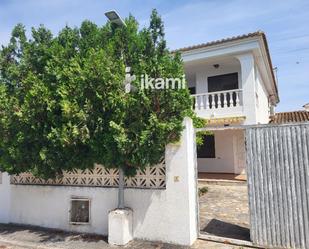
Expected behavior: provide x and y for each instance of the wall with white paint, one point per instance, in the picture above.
(253, 96)
(5, 197)
(168, 215)
(244, 58)
(262, 104)
(239, 152)
(248, 85)
(229, 153)
(197, 74)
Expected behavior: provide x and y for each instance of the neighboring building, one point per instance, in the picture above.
(291, 117)
(233, 83)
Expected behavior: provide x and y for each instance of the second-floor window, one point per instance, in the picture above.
(192, 90)
(220, 83)
(223, 82)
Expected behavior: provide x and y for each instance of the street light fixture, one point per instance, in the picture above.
(114, 17)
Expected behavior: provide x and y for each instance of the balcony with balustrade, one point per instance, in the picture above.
(219, 104)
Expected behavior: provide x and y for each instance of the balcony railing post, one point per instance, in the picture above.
(207, 101)
(237, 98)
(202, 101)
(224, 100)
(219, 100)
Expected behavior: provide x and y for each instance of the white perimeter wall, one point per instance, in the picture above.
(168, 215)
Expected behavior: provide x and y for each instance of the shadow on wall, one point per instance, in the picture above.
(228, 230)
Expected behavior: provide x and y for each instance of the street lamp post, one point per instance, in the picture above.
(120, 220)
(115, 19)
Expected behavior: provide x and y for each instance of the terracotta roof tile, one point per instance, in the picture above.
(290, 117)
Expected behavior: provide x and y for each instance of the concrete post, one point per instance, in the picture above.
(181, 186)
(120, 226)
(5, 198)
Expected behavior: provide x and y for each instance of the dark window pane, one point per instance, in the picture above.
(223, 82)
(207, 150)
(192, 90)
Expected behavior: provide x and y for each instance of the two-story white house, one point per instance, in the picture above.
(233, 83)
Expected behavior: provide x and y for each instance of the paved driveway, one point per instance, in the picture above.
(224, 211)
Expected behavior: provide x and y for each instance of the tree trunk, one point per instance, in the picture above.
(121, 189)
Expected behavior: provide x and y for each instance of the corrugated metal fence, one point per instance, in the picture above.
(278, 180)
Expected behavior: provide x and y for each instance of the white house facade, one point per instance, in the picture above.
(233, 84)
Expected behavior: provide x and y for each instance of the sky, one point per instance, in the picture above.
(285, 22)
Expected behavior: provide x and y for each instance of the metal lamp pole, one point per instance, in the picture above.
(114, 18)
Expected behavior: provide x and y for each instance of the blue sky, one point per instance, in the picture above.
(191, 22)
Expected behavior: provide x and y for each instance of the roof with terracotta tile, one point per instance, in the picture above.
(289, 117)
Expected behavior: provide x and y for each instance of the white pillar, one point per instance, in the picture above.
(248, 86)
(181, 187)
(5, 198)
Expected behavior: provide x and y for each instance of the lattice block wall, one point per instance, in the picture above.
(150, 177)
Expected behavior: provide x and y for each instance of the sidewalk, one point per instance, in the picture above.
(25, 237)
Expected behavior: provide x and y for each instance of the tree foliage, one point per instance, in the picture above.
(63, 105)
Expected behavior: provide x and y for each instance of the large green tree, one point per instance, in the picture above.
(63, 104)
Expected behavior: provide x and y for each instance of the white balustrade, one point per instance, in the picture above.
(218, 100)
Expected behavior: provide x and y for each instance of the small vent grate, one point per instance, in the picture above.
(80, 211)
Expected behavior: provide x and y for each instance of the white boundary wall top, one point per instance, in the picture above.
(168, 215)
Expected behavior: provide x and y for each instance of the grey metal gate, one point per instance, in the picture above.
(278, 184)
